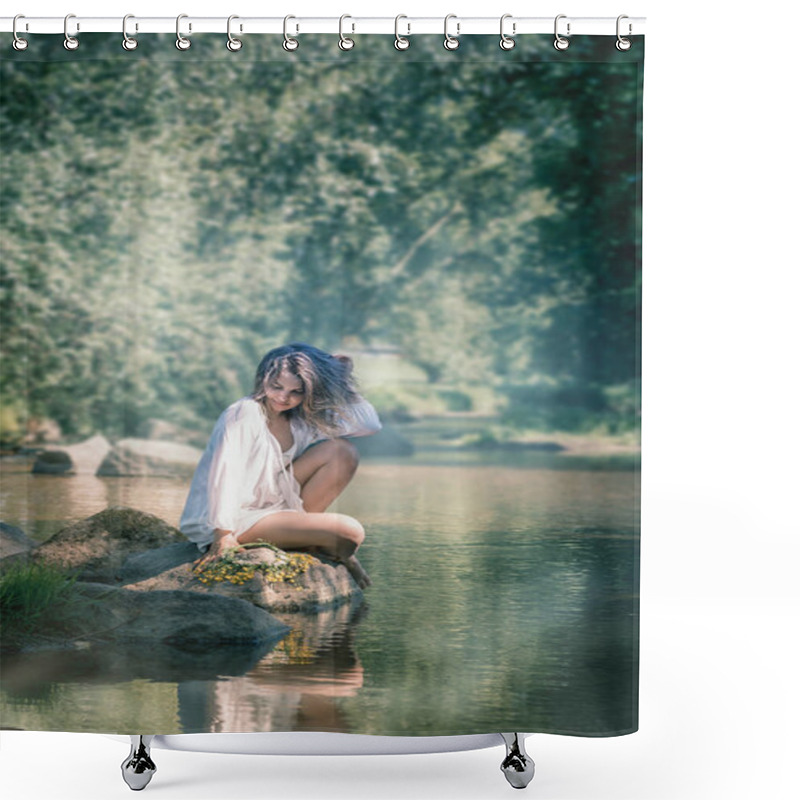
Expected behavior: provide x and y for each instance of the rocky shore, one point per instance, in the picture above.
(135, 581)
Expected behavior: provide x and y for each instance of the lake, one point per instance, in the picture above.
(505, 597)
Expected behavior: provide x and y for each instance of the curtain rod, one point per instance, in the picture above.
(347, 25)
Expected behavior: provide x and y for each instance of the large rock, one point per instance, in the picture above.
(184, 619)
(126, 547)
(163, 430)
(144, 457)
(95, 548)
(75, 459)
(13, 541)
(151, 563)
(324, 584)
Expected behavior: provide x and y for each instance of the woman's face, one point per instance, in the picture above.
(284, 392)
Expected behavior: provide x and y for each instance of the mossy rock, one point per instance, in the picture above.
(95, 548)
(262, 575)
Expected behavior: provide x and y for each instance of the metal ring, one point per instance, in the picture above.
(622, 43)
(128, 43)
(18, 43)
(182, 43)
(70, 42)
(506, 42)
(451, 42)
(400, 42)
(560, 42)
(344, 42)
(289, 44)
(233, 44)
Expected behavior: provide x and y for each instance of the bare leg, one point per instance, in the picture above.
(323, 471)
(336, 534)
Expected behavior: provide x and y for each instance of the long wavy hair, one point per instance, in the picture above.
(328, 382)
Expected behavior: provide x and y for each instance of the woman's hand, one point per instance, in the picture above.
(223, 540)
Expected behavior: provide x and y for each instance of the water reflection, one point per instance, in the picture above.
(42, 504)
(504, 598)
(288, 685)
(293, 688)
(119, 663)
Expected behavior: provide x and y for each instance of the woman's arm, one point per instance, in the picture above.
(227, 475)
(223, 540)
(358, 419)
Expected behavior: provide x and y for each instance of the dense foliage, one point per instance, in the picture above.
(165, 219)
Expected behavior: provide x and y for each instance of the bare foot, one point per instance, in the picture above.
(357, 571)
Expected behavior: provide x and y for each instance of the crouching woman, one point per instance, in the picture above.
(279, 457)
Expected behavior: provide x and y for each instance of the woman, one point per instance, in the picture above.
(276, 461)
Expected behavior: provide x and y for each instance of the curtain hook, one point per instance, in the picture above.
(560, 42)
(622, 43)
(182, 43)
(506, 42)
(400, 42)
(233, 44)
(344, 42)
(451, 42)
(18, 43)
(70, 42)
(290, 44)
(128, 43)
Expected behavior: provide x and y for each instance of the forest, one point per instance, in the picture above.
(472, 218)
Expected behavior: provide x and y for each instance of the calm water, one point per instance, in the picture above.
(504, 598)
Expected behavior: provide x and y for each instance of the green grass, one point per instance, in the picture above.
(27, 592)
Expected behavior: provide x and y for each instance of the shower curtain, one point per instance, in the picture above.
(458, 233)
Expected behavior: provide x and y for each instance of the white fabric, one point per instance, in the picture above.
(243, 475)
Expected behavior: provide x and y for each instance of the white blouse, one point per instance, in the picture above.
(243, 475)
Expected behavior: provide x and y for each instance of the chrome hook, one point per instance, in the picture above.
(70, 42)
(18, 43)
(506, 42)
(233, 44)
(289, 44)
(451, 42)
(182, 43)
(560, 42)
(344, 42)
(128, 43)
(623, 44)
(400, 42)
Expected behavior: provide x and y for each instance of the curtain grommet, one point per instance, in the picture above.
(233, 44)
(401, 42)
(451, 42)
(560, 43)
(128, 42)
(345, 43)
(290, 44)
(507, 42)
(70, 42)
(19, 44)
(181, 42)
(622, 44)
